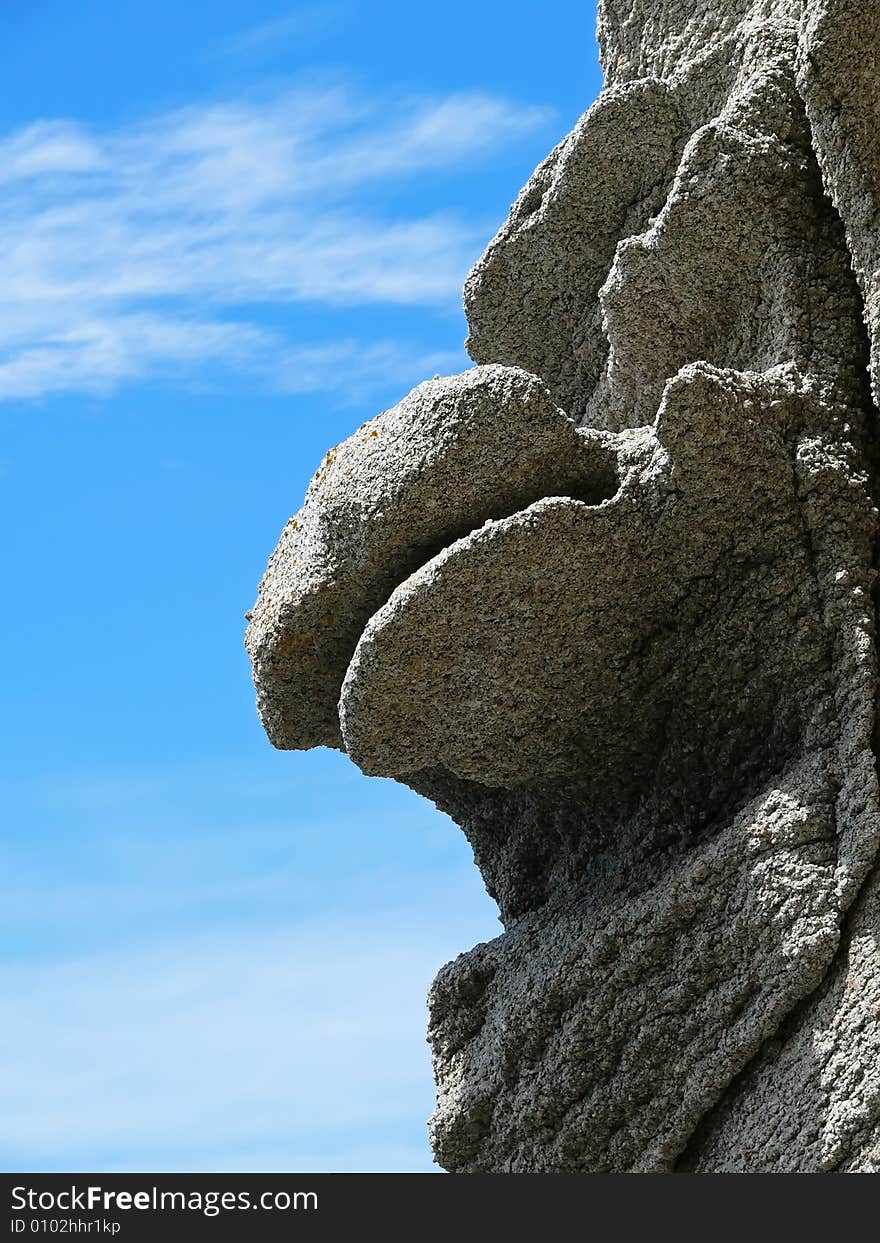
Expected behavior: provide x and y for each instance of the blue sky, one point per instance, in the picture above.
(231, 233)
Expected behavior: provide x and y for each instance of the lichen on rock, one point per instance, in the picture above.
(608, 599)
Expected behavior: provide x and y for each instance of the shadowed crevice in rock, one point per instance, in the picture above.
(531, 301)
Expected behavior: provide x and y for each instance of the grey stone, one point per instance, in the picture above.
(608, 600)
(451, 455)
(839, 78)
(532, 300)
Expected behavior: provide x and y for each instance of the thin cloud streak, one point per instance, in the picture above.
(149, 249)
(308, 20)
(165, 1039)
(353, 369)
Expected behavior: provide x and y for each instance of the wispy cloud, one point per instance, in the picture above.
(162, 1008)
(354, 369)
(147, 1060)
(97, 352)
(110, 854)
(149, 249)
(305, 22)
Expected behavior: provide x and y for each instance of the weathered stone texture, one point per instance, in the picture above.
(608, 600)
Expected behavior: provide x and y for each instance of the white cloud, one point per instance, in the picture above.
(207, 1052)
(133, 252)
(306, 21)
(161, 1009)
(354, 369)
(94, 354)
(46, 149)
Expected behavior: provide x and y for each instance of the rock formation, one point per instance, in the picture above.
(608, 599)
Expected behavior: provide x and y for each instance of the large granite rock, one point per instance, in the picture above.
(608, 600)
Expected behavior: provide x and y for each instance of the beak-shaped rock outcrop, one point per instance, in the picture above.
(451, 456)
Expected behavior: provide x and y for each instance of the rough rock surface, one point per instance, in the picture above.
(608, 600)
(451, 455)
